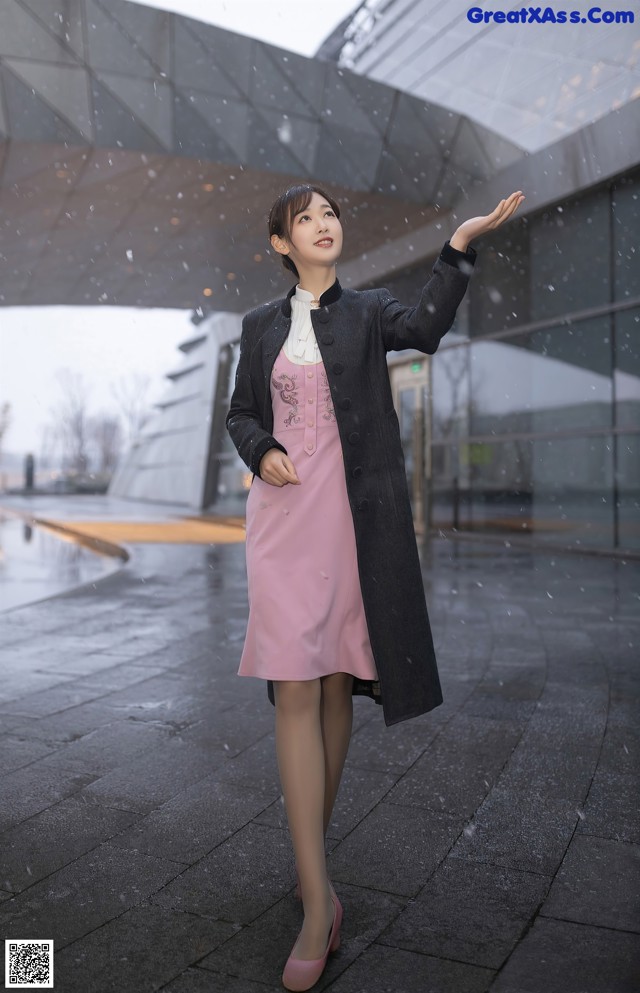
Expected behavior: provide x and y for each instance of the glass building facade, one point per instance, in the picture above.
(531, 414)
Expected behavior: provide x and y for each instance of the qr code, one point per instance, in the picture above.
(28, 963)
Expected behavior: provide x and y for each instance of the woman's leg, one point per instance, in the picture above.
(301, 764)
(336, 719)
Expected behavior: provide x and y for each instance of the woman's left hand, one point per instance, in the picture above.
(477, 226)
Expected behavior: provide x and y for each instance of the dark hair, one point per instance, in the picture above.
(285, 208)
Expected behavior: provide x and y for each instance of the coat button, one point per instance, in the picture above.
(356, 471)
(363, 504)
(346, 403)
(354, 437)
(338, 368)
(323, 315)
(327, 339)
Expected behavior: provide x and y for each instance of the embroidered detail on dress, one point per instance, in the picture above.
(329, 414)
(289, 393)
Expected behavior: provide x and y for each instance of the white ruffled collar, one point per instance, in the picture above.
(305, 345)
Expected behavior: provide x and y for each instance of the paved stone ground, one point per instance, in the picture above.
(491, 845)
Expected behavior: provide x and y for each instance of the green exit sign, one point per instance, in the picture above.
(416, 367)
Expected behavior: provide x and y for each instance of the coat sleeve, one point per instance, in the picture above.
(423, 326)
(244, 420)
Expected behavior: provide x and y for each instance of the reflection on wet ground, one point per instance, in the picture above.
(484, 843)
(34, 563)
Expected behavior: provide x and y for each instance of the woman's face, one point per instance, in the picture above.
(316, 236)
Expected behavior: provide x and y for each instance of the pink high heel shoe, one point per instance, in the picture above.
(302, 974)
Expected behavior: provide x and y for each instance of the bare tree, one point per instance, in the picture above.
(105, 431)
(130, 393)
(5, 422)
(70, 420)
(453, 364)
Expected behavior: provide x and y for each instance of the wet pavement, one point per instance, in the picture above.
(34, 564)
(491, 845)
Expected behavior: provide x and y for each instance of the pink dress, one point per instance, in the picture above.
(306, 616)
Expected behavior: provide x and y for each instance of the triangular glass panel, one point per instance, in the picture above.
(63, 87)
(148, 26)
(229, 119)
(411, 124)
(233, 53)
(194, 136)
(373, 98)
(342, 106)
(468, 149)
(334, 166)
(110, 48)
(408, 173)
(195, 65)
(22, 36)
(273, 87)
(266, 151)
(31, 118)
(307, 75)
(116, 126)
(62, 20)
(148, 99)
(299, 135)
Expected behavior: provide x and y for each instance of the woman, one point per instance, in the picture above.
(337, 604)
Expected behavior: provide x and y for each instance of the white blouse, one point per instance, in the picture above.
(301, 346)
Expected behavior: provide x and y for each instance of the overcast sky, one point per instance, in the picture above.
(101, 343)
(299, 25)
(104, 343)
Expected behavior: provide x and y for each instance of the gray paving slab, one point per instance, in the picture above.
(71, 829)
(35, 787)
(555, 757)
(254, 952)
(491, 845)
(380, 969)
(189, 826)
(557, 956)
(89, 891)
(17, 750)
(598, 883)
(519, 830)
(149, 943)
(16, 684)
(611, 809)
(73, 692)
(386, 750)
(395, 848)
(460, 767)
(142, 783)
(469, 912)
(238, 880)
(202, 981)
(621, 749)
(360, 792)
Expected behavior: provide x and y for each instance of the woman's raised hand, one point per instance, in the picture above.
(477, 226)
(277, 468)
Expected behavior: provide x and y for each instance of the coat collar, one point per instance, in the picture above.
(329, 296)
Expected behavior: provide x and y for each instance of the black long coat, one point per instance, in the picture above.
(354, 330)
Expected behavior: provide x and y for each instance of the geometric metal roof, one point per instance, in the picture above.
(139, 152)
(532, 82)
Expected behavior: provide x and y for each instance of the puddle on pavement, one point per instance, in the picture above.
(35, 563)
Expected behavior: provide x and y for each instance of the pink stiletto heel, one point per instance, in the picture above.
(302, 974)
